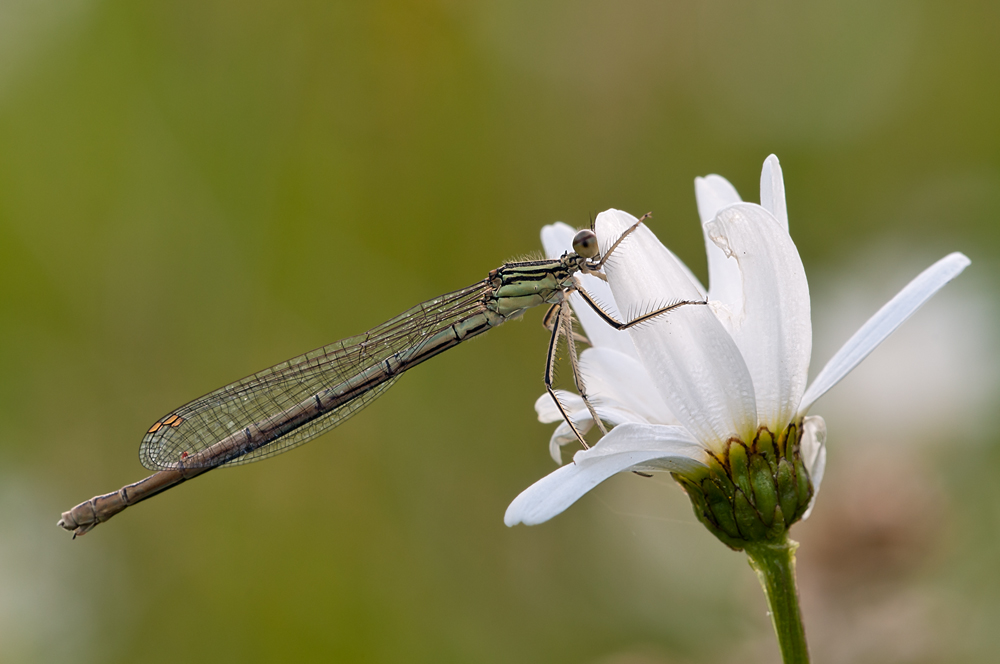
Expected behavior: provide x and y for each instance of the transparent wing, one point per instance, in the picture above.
(278, 408)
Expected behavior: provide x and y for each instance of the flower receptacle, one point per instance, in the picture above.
(752, 493)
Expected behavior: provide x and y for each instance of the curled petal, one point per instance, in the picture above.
(814, 454)
(546, 408)
(884, 323)
(629, 446)
(611, 411)
(563, 435)
(612, 414)
(694, 363)
(557, 240)
(773, 329)
(772, 191)
(713, 193)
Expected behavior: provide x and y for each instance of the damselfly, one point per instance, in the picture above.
(291, 403)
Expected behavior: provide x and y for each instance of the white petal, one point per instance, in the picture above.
(608, 409)
(713, 192)
(696, 366)
(558, 239)
(547, 410)
(599, 333)
(814, 454)
(772, 191)
(563, 435)
(612, 377)
(883, 323)
(620, 390)
(612, 414)
(630, 438)
(628, 446)
(702, 291)
(773, 329)
(813, 440)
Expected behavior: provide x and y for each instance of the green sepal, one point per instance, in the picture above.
(697, 497)
(765, 494)
(750, 525)
(788, 495)
(721, 478)
(704, 513)
(778, 528)
(721, 507)
(765, 445)
(739, 468)
(804, 488)
(788, 442)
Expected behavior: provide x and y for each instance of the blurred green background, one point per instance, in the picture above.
(192, 191)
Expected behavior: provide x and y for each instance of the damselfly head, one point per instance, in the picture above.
(585, 243)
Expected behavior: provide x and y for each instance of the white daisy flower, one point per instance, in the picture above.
(715, 395)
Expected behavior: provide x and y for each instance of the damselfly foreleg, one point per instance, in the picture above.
(619, 325)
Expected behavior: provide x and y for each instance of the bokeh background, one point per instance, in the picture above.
(192, 191)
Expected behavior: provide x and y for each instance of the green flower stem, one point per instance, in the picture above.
(774, 563)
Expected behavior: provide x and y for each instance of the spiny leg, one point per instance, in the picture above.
(566, 319)
(617, 324)
(614, 246)
(550, 364)
(549, 321)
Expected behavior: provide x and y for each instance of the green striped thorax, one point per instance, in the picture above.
(752, 492)
(521, 286)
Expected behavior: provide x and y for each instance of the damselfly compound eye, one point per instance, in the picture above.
(585, 243)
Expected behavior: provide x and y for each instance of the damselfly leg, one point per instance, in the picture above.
(561, 325)
(559, 320)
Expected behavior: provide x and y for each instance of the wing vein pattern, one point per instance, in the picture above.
(279, 408)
